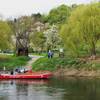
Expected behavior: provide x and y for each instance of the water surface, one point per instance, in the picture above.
(53, 89)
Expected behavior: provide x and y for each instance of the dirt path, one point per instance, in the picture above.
(33, 59)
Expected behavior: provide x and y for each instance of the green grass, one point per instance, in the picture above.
(56, 63)
(11, 62)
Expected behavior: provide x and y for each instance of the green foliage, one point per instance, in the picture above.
(37, 17)
(10, 62)
(58, 15)
(46, 64)
(5, 35)
(83, 29)
(56, 63)
(38, 39)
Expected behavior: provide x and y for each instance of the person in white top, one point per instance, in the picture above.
(61, 52)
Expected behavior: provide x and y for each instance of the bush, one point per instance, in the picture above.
(11, 62)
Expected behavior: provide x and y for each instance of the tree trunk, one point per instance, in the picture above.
(22, 52)
(22, 44)
(93, 51)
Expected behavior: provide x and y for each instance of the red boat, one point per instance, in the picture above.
(28, 75)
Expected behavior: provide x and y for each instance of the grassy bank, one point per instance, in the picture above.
(56, 63)
(10, 61)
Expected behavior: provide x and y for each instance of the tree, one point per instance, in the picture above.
(52, 37)
(5, 35)
(38, 40)
(23, 27)
(82, 29)
(58, 15)
(90, 26)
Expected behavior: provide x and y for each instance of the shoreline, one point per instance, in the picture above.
(71, 72)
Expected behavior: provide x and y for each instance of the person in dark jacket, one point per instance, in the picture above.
(50, 54)
(12, 73)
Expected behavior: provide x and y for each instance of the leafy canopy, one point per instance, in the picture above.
(83, 29)
(5, 35)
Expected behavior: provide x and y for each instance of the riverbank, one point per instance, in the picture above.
(81, 67)
(10, 62)
(71, 72)
(69, 66)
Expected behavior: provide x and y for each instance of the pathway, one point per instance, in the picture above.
(33, 59)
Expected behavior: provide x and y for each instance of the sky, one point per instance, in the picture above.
(15, 8)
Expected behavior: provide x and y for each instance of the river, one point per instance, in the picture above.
(70, 88)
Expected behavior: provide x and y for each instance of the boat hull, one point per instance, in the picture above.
(32, 76)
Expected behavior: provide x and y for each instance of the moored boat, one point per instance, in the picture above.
(26, 76)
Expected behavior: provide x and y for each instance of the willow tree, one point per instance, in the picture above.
(82, 29)
(5, 35)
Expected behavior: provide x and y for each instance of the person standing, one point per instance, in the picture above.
(61, 52)
(50, 54)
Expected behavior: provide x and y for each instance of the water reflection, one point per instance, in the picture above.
(25, 90)
(79, 88)
(53, 89)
